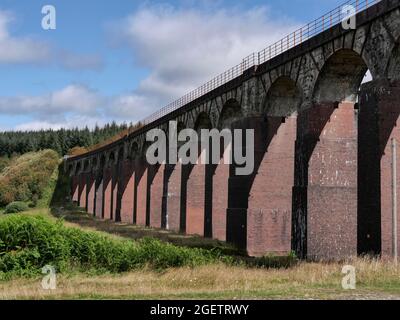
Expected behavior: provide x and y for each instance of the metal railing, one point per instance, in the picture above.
(292, 40)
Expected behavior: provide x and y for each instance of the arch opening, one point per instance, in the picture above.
(327, 162)
(340, 78)
(393, 68)
(230, 113)
(283, 98)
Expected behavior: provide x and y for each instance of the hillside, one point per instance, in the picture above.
(27, 177)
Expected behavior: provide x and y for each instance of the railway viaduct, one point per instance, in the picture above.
(322, 184)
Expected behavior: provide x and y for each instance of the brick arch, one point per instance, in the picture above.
(121, 153)
(340, 77)
(103, 160)
(180, 126)
(133, 149)
(78, 167)
(380, 41)
(231, 111)
(326, 161)
(203, 121)
(95, 162)
(393, 68)
(87, 165)
(71, 169)
(173, 203)
(112, 157)
(284, 98)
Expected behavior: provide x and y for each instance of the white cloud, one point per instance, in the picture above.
(77, 99)
(74, 61)
(19, 50)
(27, 50)
(181, 48)
(185, 48)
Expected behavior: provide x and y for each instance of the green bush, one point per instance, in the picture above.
(15, 207)
(27, 243)
(26, 178)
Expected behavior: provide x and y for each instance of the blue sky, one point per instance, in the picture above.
(123, 59)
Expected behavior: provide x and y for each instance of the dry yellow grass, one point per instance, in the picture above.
(375, 280)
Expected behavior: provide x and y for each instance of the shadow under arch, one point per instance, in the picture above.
(174, 194)
(142, 187)
(283, 98)
(156, 194)
(98, 188)
(340, 78)
(195, 198)
(260, 204)
(377, 127)
(325, 192)
(231, 112)
(393, 67)
(119, 183)
(217, 173)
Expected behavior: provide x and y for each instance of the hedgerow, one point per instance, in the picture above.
(27, 243)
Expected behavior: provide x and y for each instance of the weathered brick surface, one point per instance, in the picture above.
(195, 200)
(141, 186)
(379, 118)
(99, 196)
(239, 186)
(114, 192)
(90, 193)
(126, 191)
(107, 189)
(156, 187)
(82, 190)
(174, 190)
(389, 109)
(332, 182)
(75, 188)
(220, 200)
(270, 201)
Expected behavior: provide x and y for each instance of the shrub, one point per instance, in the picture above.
(27, 177)
(27, 243)
(15, 207)
(4, 163)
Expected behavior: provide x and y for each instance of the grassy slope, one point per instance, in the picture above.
(375, 279)
(27, 177)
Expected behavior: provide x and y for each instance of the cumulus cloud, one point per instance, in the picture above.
(183, 48)
(180, 48)
(26, 50)
(77, 99)
(19, 50)
(73, 61)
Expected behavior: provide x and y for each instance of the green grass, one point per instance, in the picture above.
(27, 243)
(26, 178)
(16, 207)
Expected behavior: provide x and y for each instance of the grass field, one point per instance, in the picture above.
(217, 280)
